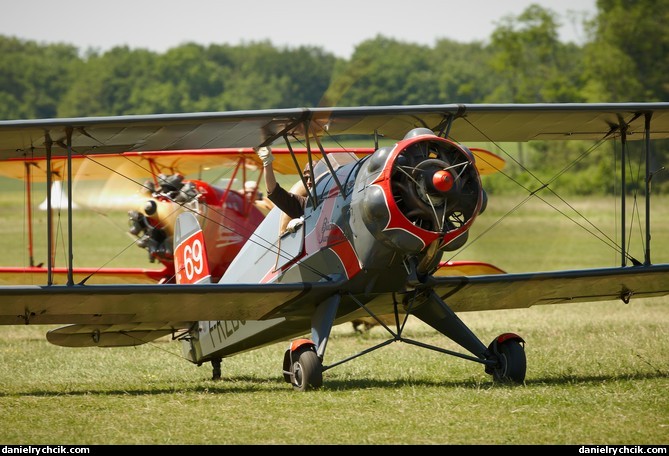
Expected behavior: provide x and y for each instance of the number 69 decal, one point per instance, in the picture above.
(190, 260)
(193, 259)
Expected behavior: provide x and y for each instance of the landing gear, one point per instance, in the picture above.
(307, 371)
(303, 361)
(504, 358)
(303, 368)
(512, 363)
(216, 369)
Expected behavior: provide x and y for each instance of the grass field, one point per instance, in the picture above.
(598, 373)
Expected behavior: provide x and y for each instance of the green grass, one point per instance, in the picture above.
(521, 236)
(598, 373)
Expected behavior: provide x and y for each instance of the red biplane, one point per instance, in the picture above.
(153, 188)
(371, 242)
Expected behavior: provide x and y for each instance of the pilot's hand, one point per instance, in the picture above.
(265, 154)
(294, 224)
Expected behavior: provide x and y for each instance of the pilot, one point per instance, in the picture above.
(292, 202)
(251, 191)
(253, 196)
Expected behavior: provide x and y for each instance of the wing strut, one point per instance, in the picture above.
(29, 212)
(70, 253)
(648, 116)
(48, 142)
(445, 126)
(312, 195)
(283, 133)
(623, 182)
(327, 162)
(310, 164)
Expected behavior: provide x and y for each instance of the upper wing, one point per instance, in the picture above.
(505, 122)
(510, 291)
(140, 165)
(135, 166)
(513, 122)
(131, 165)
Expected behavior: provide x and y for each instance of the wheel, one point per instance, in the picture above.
(512, 362)
(307, 370)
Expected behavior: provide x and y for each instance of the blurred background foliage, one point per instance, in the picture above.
(624, 58)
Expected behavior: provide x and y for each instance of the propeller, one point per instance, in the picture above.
(424, 191)
(435, 185)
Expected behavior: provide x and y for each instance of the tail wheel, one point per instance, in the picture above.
(512, 363)
(306, 370)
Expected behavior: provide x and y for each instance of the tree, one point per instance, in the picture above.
(530, 64)
(384, 71)
(107, 83)
(260, 76)
(34, 77)
(461, 71)
(628, 56)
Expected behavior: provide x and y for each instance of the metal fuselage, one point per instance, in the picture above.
(357, 234)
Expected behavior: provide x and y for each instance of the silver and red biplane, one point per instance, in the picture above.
(371, 243)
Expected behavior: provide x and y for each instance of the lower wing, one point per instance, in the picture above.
(134, 314)
(510, 291)
(124, 304)
(125, 335)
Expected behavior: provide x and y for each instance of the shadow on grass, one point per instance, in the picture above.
(249, 384)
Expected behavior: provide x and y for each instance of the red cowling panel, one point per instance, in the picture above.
(443, 182)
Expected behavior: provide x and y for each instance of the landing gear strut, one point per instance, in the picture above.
(216, 369)
(504, 358)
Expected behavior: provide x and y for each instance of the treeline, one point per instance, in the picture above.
(625, 57)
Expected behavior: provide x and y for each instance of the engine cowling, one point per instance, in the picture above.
(423, 189)
(154, 219)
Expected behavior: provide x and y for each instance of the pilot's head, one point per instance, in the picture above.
(306, 172)
(307, 177)
(250, 190)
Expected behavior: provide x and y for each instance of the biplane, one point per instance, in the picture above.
(153, 188)
(371, 242)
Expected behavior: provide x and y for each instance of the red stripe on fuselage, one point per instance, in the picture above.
(346, 254)
(327, 234)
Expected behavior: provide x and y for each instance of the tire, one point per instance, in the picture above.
(512, 362)
(307, 370)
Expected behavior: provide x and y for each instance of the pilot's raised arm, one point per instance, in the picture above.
(291, 203)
